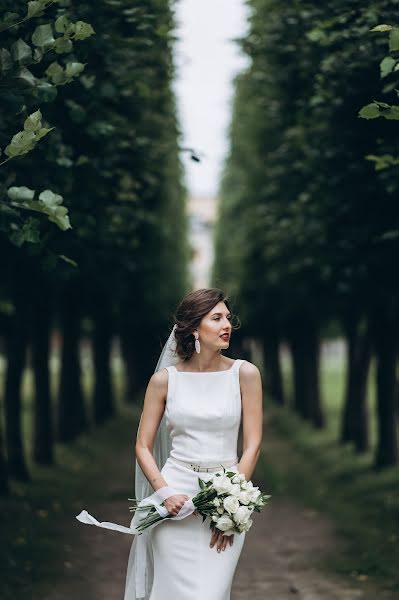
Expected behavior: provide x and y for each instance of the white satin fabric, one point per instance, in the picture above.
(203, 413)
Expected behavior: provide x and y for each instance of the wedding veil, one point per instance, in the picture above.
(140, 569)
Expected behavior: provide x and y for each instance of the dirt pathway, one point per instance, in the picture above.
(281, 557)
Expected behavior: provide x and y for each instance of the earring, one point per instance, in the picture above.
(197, 345)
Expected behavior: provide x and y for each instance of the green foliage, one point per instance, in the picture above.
(311, 243)
(25, 46)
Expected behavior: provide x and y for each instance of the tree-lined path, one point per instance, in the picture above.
(282, 558)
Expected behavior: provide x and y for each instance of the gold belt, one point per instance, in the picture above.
(202, 468)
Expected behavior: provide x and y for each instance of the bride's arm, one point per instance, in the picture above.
(153, 409)
(252, 416)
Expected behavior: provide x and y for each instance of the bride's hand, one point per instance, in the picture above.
(173, 504)
(220, 539)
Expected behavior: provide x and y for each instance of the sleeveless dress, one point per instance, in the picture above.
(203, 414)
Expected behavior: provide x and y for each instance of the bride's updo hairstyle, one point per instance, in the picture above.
(189, 314)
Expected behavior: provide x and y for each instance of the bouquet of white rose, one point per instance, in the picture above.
(228, 499)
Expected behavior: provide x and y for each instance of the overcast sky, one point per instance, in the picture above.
(206, 61)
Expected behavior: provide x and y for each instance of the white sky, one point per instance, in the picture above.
(206, 61)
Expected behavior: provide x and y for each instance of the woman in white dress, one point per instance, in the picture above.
(202, 398)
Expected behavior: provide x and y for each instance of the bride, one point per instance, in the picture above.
(188, 429)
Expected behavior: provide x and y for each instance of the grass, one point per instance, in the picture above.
(321, 473)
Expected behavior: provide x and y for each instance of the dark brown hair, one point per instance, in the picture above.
(189, 314)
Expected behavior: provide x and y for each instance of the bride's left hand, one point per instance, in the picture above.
(220, 539)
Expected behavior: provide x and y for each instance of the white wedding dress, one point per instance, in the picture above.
(203, 413)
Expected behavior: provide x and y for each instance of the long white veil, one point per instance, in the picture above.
(140, 569)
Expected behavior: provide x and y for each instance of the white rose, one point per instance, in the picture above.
(242, 515)
(215, 517)
(220, 510)
(224, 523)
(255, 493)
(231, 504)
(235, 489)
(244, 485)
(247, 525)
(236, 479)
(241, 476)
(216, 502)
(245, 497)
(222, 484)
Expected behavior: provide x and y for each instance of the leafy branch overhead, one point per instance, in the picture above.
(388, 66)
(26, 45)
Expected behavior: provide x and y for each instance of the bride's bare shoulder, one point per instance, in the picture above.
(249, 371)
(159, 379)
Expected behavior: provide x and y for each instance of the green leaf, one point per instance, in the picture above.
(62, 24)
(43, 36)
(394, 40)
(50, 199)
(386, 66)
(370, 111)
(30, 230)
(21, 52)
(73, 68)
(34, 121)
(83, 30)
(26, 76)
(63, 45)
(382, 28)
(20, 194)
(5, 61)
(21, 143)
(35, 9)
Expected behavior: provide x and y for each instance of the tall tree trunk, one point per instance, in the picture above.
(272, 364)
(312, 375)
(354, 426)
(386, 343)
(4, 487)
(297, 348)
(129, 359)
(72, 418)
(103, 400)
(305, 350)
(16, 344)
(40, 332)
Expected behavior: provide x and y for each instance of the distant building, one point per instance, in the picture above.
(202, 216)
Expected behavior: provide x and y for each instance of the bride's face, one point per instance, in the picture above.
(214, 325)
